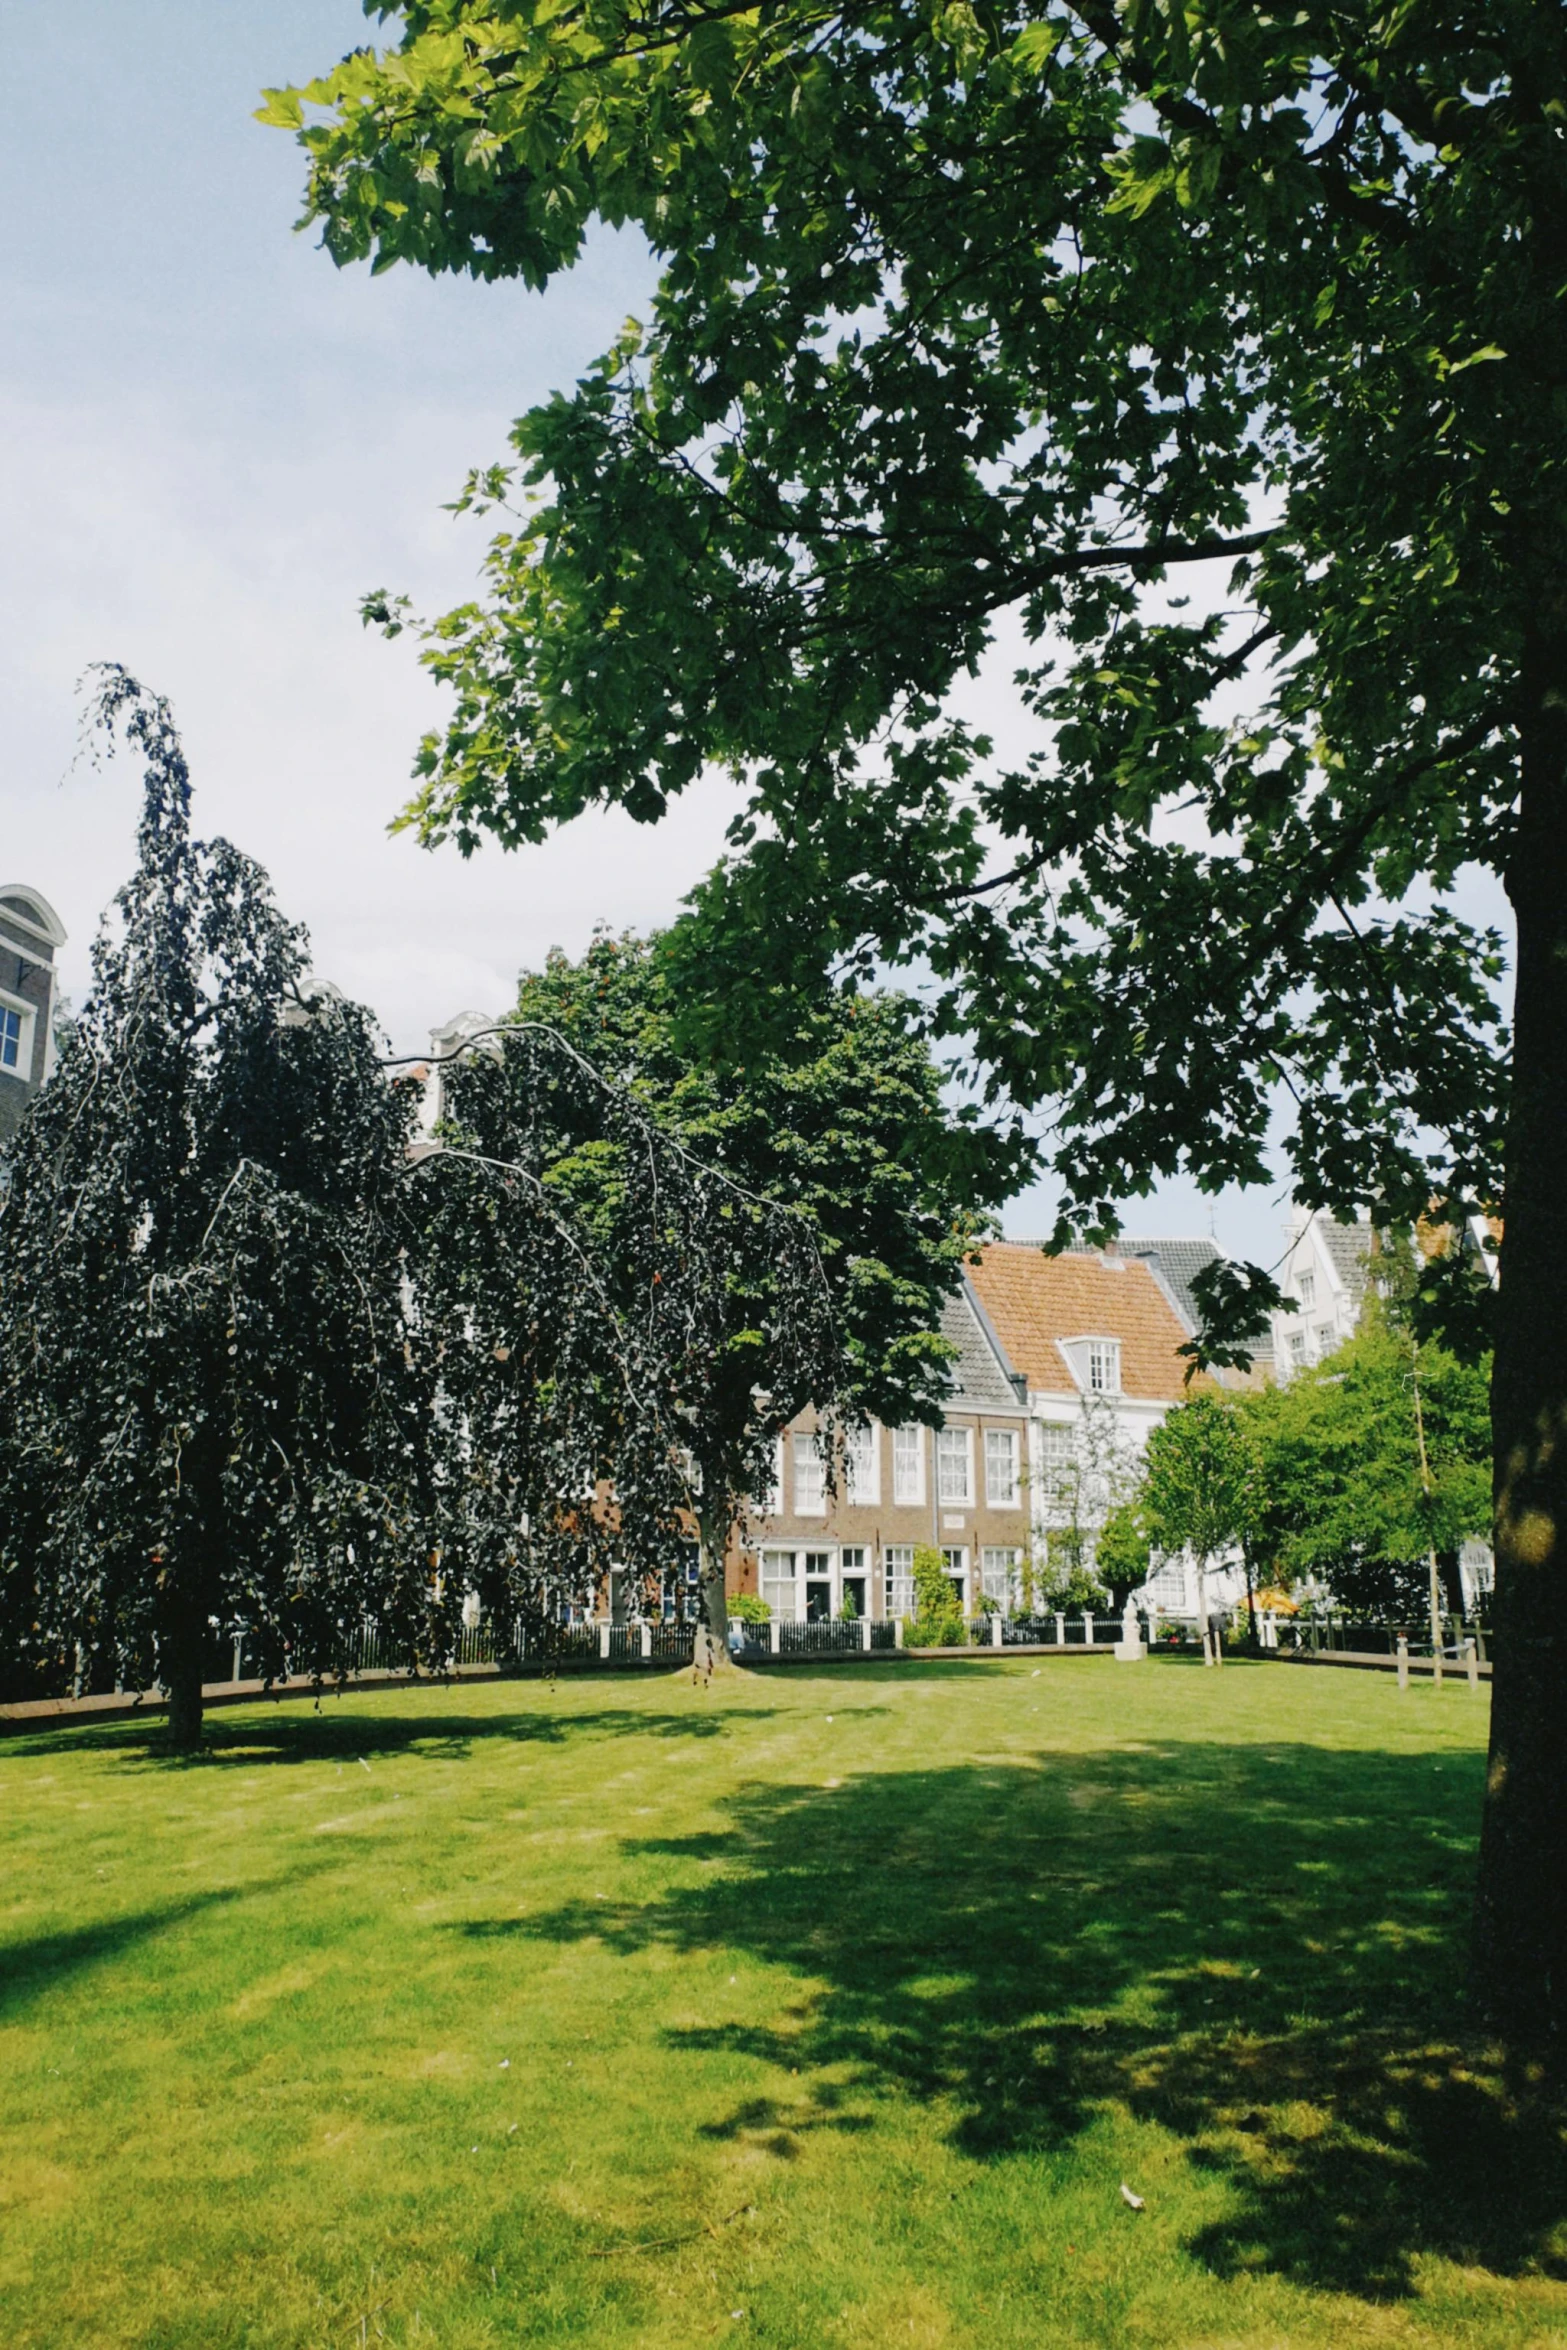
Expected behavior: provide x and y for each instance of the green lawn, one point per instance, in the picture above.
(831, 2009)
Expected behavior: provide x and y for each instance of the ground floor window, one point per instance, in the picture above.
(854, 1586)
(778, 1583)
(1001, 1575)
(956, 1561)
(898, 1568)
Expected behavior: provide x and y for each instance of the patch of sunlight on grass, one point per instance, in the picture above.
(509, 2014)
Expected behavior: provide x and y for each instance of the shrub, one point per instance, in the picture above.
(939, 1621)
(750, 1609)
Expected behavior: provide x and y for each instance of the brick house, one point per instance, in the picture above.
(31, 933)
(961, 1488)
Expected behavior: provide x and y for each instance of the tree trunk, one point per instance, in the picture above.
(714, 1543)
(182, 1682)
(1520, 1953)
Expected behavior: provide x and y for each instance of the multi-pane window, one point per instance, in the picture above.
(767, 1501)
(10, 1038)
(1104, 1366)
(908, 1464)
(861, 1482)
(956, 1564)
(1001, 1468)
(999, 1574)
(953, 1448)
(1055, 1453)
(778, 1583)
(1298, 1348)
(1307, 1286)
(1326, 1338)
(810, 1477)
(898, 1568)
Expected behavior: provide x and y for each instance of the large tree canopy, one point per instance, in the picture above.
(1054, 313)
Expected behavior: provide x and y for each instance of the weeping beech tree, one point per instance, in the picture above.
(269, 1373)
(624, 1329)
(217, 1415)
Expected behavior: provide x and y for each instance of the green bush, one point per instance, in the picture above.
(750, 1609)
(938, 1622)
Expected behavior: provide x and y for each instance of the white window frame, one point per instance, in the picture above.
(1297, 1347)
(775, 1572)
(810, 1475)
(908, 1450)
(1103, 1366)
(1307, 1285)
(954, 1556)
(769, 1502)
(862, 1466)
(897, 1567)
(1001, 1469)
(1000, 1576)
(955, 1445)
(26, 1021)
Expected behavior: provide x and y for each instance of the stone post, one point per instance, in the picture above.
(865, 1634)
(1472, 1662)
(897, 1632)
(995, 1629)
(1403, 1660)
(647, 1642)
(772, 1634)
(604, 1642)
(1060, 1628)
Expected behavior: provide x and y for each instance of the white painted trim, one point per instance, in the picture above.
(47, 926)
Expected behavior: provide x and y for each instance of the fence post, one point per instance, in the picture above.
(647, 1641)
(865, 1634)
(239, 1658)
(897, 1631)
(1088, 1628)
(604, 1642)
(1472, 1662)
(1403, 1660)
(1060, 1628)
(772, 1635)
(995, 1629)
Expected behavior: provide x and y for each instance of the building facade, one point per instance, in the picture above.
(961, 1489)
(1325, 1270)
(31, 933)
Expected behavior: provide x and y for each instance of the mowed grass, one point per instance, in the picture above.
(827, 2007)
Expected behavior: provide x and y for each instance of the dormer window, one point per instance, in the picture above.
(1104, 1366)
(1307, 1286)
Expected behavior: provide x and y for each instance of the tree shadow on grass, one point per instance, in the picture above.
(337, 1731)
(1260, 1948)
(30, 1968)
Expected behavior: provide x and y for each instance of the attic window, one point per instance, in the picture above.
(1308, 1289)
(1104, 1366)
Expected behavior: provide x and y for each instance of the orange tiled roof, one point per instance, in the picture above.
(1033, 1300)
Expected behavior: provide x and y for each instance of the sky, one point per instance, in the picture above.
(212, 443)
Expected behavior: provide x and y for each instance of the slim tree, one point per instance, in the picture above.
(216, 1415)
(1199, 1490)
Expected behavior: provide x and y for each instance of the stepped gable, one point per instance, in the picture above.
(1034, 1300)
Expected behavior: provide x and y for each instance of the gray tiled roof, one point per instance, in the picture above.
(1177, 1262)
(979, 1376)
(1349, 1246)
